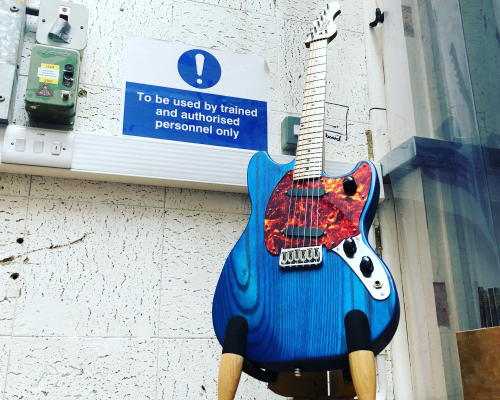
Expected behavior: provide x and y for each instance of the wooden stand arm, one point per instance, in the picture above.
(363, 373)
(361, 357)
(231, 362)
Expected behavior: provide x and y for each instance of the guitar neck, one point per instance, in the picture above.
(310, 155)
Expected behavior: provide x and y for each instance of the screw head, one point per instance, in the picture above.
(81, 27)
(12, 143)
(64, 148)
(43, 20)
(298, 372)
(354, 229)
(2, 98)
(270, 209)
(14, 8)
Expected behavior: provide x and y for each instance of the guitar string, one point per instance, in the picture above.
(311, 53)
(294, 213)
(297, 220)
(322, 150)
(315, 46)
(288, 218)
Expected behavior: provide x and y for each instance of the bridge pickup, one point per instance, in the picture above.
(301, 257)
(310, 192)
(303, 232)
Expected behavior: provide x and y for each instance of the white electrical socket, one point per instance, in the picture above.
(35, 146)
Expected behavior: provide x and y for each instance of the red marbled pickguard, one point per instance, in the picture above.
(337, 214)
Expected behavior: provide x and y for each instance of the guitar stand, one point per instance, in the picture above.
(359, 346)
(361, 357)
(231, 361)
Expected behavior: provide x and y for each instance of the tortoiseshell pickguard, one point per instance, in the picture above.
(336, 213)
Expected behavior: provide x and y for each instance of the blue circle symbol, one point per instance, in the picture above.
(199, 69)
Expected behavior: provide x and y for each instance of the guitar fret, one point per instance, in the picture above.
(313, 106)
(315, 98)
(316, 61)
(318, 130)
(311, 124)
(312, 161)
(316, 69)
(316, 141)
(312, 111)
(314, 117)
(315, 76)
(315, 84)
(309, 149)
(314, 91)
(309, 136)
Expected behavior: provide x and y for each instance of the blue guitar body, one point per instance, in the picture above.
(296, 317)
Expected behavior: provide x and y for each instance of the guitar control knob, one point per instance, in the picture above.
(350, 185)
(366, 266)
(349, 247)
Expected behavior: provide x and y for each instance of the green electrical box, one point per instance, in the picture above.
(51, 92)
(290, 127)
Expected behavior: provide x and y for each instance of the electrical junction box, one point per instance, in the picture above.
(51, 93)
(62, 24)
(290, 127)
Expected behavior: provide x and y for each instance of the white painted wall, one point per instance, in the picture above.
(113, 298)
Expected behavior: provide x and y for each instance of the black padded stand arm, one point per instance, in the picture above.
(235, 342)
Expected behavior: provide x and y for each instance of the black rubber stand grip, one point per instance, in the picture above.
(235, 340)
(357, 331)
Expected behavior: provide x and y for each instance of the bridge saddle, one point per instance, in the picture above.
(301, 257)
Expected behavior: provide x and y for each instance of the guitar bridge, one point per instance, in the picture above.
(301, 257)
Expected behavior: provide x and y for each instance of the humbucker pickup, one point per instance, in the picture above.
(301, 257)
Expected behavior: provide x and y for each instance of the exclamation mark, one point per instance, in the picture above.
(200, 60)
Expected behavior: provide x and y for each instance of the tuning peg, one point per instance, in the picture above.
(327, 6)
(315, 29)
(321, 18)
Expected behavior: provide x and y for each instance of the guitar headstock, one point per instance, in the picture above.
(324, 27)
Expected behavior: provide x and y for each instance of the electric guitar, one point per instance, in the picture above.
(304, 261)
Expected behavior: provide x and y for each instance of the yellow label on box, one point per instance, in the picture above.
(49, 66)
(48, 80)
(48, 73)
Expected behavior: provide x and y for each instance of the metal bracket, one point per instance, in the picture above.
(379, 18)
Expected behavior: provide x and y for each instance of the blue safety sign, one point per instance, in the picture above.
(202, 96)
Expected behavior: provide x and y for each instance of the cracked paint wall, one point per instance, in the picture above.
(106, 288)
